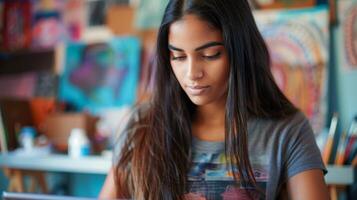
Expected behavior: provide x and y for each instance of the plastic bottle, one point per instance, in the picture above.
(27, 136)
(78, 143)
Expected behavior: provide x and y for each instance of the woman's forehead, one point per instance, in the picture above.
(191, 32)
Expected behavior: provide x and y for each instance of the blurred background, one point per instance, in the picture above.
(71, 71)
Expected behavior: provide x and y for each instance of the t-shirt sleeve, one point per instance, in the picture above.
(302, 152)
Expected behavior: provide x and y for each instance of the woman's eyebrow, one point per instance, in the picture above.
(205, 46)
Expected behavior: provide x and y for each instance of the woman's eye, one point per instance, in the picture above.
(179, 58)
(212, 57)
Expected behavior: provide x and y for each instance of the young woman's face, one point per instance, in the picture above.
(199, 60)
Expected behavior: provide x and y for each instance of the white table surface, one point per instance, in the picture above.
(343, 175)
(58, 163)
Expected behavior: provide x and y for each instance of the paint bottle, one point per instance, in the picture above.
(78, 143)
(27, 136)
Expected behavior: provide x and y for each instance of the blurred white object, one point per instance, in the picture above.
(107, 154)
(113, 121)
(97, 34)
(27, 136)
(3, 143)
(265, 2)
(321, 139)
(78, 143)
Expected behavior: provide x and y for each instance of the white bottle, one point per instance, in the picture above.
(78, 143)
(27, 136)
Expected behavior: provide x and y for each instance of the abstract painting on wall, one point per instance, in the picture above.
(274, 4)
(298, 45)
(101, 76)
(347, 34)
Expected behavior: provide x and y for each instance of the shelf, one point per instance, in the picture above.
(12, 62)
(339, 175)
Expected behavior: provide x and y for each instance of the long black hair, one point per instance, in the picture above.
(158, 149)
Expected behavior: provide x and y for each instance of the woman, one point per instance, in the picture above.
(217, 127)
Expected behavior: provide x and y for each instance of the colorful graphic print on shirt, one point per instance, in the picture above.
(209, 179)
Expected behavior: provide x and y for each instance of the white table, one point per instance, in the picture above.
(343, 175)
(58, 163)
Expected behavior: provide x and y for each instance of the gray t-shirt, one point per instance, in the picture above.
(278, 150)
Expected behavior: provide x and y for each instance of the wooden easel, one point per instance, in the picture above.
(17, 176)
(17, 180)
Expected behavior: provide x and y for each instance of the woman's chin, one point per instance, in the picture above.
(198, 101)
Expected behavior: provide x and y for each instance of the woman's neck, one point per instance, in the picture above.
(209, 123)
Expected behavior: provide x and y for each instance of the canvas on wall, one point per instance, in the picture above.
(99, 76)
(347, 34)
(16, 31)
(273, 4)
(298, 45)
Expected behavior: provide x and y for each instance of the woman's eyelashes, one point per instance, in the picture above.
(204, 56)
(212, 57)
(178, 58)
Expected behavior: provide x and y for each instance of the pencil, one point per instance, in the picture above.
(329, 143)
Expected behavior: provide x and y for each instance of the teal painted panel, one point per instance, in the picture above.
(346, 80)
(4, 182)
(85, 185)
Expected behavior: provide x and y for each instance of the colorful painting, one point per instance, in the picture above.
(47, 29)
(18, 85)
(75, 19)
(17, 24)
(282, 3)
(64, 19)
(100, 76)
(298, 45)
(347, 36)
(149, 13)
(28, 85)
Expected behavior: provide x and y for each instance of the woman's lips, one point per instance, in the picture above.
(196, 90)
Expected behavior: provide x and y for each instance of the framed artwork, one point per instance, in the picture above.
(17, 16)
(264, 4)
(100, 76)
(298, 46)
(347, 34)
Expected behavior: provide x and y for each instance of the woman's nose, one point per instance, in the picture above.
(194, 71)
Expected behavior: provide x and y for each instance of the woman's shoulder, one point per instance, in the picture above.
(293, 119)
(290, 124)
